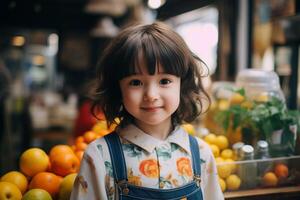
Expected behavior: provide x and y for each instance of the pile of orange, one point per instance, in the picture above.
(49, 176)
(273, 178)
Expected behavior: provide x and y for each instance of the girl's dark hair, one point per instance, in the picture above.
(152, 45)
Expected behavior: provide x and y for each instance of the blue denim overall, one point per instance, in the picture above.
(126, 191)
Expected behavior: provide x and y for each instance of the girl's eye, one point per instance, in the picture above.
(165, 81)
(135, 82)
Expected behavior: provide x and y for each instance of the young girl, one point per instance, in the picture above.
(150, 80)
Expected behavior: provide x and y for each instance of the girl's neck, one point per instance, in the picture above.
(160, 131)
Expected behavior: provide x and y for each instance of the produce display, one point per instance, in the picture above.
(265, 131)
(48, 175)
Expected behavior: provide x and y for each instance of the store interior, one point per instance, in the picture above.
(49, 52)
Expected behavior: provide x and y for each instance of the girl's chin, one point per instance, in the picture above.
(154, 122)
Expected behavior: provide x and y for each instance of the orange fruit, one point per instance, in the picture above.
(64, 164)
(33, 161)
(281, 170)
(269, 179)
(79, 154)
(9, 191)
(37, 194)
(60, 149)
(103, 132)
(89, 136)
(100, 125)
(73, 147)
(16, 178)
(46, 181)
(81, 146)
(79, 139)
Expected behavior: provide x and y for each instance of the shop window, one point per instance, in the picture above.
(199, 29)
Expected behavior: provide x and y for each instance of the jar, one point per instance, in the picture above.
(262, 153)
(236, 147)
(259, 85)
(247, 170)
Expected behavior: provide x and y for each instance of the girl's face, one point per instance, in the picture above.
(151, 99)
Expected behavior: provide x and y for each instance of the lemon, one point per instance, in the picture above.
(16, 178)
(247, 104)
(227, 153)
(219, 160)
(37, 194)
(210, 138)
(262, 98)
(215, 150)
(233, 182)
(223, 104)
(222, 184)
(66, 187)
(232, 164)
(224, 170)
(237, 98)
(213, 106)
(222, 142)
(189, 128)
(9, 191)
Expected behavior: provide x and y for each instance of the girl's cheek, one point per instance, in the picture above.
(133, 95)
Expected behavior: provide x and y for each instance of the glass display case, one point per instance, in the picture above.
(260, 177)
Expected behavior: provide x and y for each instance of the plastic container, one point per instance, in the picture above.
(259, 84)
(282, 172)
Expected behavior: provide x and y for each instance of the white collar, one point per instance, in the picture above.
(136, 136)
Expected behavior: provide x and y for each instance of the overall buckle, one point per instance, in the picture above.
(122, 185)
(197, 179)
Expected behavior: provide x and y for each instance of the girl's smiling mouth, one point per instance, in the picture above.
(151, 108)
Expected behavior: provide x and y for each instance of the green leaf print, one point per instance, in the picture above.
(132, 150)
(164, 153)
(108, 168)
(184, 179)
(174, 147)
(167, 183)
(100, 148)
(202, 161)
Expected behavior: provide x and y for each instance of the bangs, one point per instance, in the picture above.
(150, 50)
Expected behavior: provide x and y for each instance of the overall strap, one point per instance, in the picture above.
(117, 157)
(195, 156)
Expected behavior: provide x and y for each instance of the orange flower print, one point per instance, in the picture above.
(132, 179)
(149, 168)
(184, 166)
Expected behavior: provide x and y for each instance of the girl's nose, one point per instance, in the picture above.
(151, 94)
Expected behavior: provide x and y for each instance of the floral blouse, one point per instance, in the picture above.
(150, 162)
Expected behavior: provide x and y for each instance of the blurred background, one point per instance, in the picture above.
(49, 50)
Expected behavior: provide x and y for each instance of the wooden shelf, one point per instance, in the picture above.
(279, 193)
